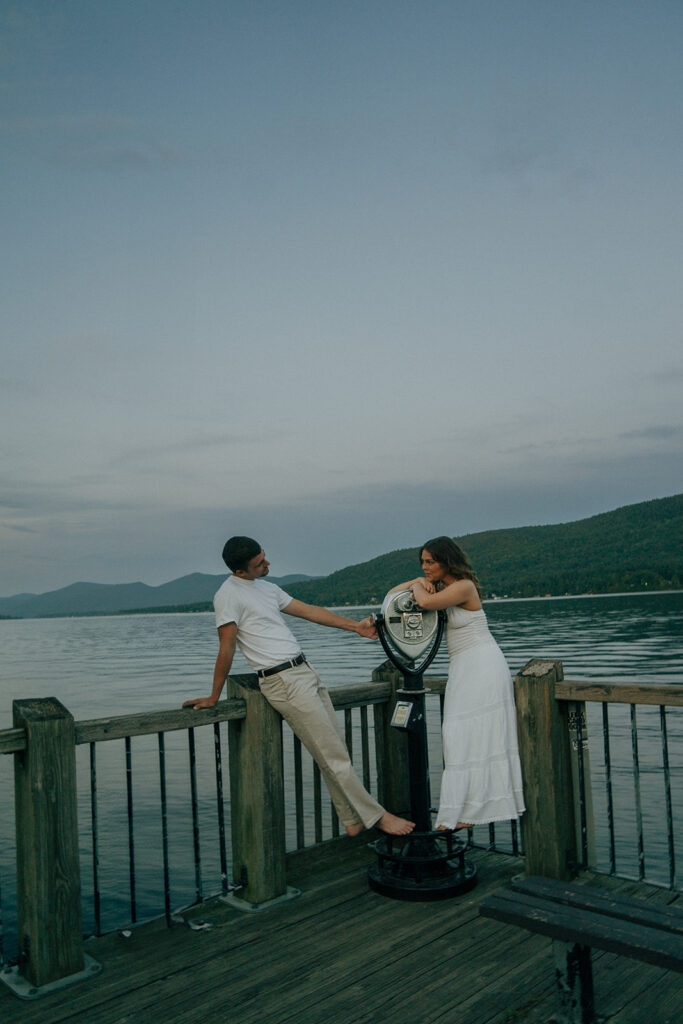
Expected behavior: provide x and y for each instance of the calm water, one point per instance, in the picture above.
(116, 665)
(113, 665)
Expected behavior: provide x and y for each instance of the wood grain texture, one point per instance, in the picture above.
(616, 692)
(48, 871)
(342, 954)
(257, 795)
(548, 826)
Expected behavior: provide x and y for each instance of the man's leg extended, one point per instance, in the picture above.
(305, 705)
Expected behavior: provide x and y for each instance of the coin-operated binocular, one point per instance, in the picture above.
(426, 865)
(408, 632)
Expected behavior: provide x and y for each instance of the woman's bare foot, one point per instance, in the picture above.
(461, 825)
(394, 826)
(354, 830)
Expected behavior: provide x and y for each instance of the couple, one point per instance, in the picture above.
(482, 778)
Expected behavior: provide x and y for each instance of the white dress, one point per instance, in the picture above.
(482, 779)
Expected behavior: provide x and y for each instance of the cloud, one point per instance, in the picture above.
(663, 432)
(554, 445)
(29, 25)
(192, 444)
(108, 542)
(671, 376)
(98, 140)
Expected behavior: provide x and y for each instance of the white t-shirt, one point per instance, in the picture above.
(256, 606)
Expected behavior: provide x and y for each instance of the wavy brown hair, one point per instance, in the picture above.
(451, 557)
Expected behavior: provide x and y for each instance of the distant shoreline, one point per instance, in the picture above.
(208, 610)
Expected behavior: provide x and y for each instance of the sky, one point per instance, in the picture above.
(339, 275)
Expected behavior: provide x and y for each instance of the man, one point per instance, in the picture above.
(248, 613)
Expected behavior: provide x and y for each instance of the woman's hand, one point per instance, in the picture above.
(425, 584)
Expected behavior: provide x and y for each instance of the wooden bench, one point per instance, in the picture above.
(578, 917)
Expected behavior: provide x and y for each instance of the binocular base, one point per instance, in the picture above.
(421, 866)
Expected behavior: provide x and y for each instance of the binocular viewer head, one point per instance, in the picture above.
(408, 627)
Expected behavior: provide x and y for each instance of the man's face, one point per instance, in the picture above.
(257, 567)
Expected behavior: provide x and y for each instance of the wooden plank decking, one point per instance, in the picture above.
(342, 954)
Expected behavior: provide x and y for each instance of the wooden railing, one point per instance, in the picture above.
(559, 829)
(556, 830)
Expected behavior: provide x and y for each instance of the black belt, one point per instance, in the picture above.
(263, 672)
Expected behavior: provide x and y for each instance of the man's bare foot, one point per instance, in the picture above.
(354, 830)
(394, 826)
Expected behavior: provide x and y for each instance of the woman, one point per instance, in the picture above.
(482, 779)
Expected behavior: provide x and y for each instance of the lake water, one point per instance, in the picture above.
(112, 665)
(108, 665)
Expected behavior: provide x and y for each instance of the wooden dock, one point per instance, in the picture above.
(342, 954)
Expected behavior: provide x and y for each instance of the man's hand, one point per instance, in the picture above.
(200, 702)
(367, 628)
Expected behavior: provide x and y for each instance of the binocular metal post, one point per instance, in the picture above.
(426, 864)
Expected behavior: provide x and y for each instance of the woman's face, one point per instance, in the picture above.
(434, 572)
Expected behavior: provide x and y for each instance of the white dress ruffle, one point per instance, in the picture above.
(482, 779)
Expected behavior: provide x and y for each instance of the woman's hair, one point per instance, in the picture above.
(451, 557)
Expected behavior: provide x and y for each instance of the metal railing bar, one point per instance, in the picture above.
(220, 808)
(365, 745)
(196, 844)
(2, 947)
(95, 839)
(131, 838)
(348, 731)
(608, 785)
(515, 837)
(667, 793)
(164, 827)
(317, 803)
(578, 727)
(299, 795)
(636, 785)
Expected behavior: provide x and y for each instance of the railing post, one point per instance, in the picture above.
(548, 827)
(391, 747)
(257, 795)
(48, 873)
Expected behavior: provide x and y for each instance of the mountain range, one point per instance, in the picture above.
(188, 592)
(636, 547)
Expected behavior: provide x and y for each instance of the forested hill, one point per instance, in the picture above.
(637, 547)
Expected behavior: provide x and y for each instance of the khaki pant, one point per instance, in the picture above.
(304, 703)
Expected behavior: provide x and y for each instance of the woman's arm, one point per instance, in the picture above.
(429, 587)
(462, 592)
